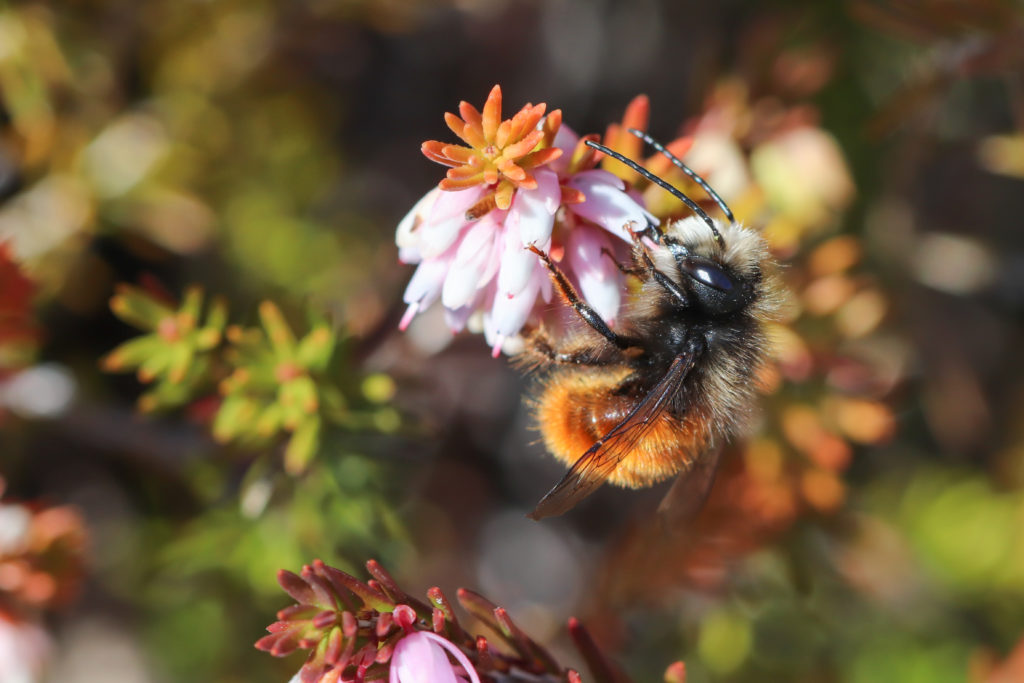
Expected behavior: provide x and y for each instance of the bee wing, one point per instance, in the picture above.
(684, 500)
(594, 466)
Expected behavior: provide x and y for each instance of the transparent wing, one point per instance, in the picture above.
(684, 500)
(601, 459)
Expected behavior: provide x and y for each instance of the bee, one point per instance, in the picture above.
(661, 393)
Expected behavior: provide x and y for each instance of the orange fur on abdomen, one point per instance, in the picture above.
(574, 410)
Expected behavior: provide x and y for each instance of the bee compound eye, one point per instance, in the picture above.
(711, 275)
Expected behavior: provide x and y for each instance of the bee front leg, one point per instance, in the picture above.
(623, 268)
(540, 350)
(582, 308)
(640, 256)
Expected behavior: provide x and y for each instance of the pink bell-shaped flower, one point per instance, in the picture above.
(419, 657)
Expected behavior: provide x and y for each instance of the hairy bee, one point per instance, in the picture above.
(659, 394)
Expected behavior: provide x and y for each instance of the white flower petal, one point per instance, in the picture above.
(547, 290)
(460, 657)
(453, 203)
(533, 211)
(548, 190)
(517, 265)
(509, 313)
(480, 236)
(566, 140)
(404, 235)
(600, 281)
(417, 659)
(24, 650)
(475, 263)
(426, 282)
(460, 284)
(599, 175)
(447, 220)
(438, 237)
(517, 262)
(409, 255)
(607, 206)
(15, 522)
(457, 318)
(493, 262)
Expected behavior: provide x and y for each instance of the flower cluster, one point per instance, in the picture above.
(269, 381)
(527, 181)
(358, 631)
(41, 566)
(41, 556)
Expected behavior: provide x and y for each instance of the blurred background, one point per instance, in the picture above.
(217, 184)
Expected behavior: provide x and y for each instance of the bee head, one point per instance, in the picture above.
(703, 262)
(715, 291)
(716, 280)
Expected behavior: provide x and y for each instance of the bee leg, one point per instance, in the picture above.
(583, 310)
(623, 268)
(650, 271)
(539, 344)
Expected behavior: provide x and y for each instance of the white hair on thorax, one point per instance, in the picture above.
(746, 255)
(745, 249)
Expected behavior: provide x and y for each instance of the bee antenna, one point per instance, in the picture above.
(664, 185)
(687, 170)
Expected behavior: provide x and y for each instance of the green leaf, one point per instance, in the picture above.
(133, 353)
(316, 348)
(302, 446)
(300, 394)
(207, 338)
(217, 316)
(270, 420)
(237, 414)
(180, 356)
(136, 307)
(154, 366)
(333, 403)
(191, 307)
(280, 335)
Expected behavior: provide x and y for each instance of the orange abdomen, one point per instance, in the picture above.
(577, 409)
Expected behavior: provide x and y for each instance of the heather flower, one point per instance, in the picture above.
(500, 153)
(526, 181)
(24, 650)
(41, 556)
(419, 657)
(803, 173)
(359, 631)
(708, 149)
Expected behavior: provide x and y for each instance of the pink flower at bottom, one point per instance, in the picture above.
(24, 649)
(419, 657)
